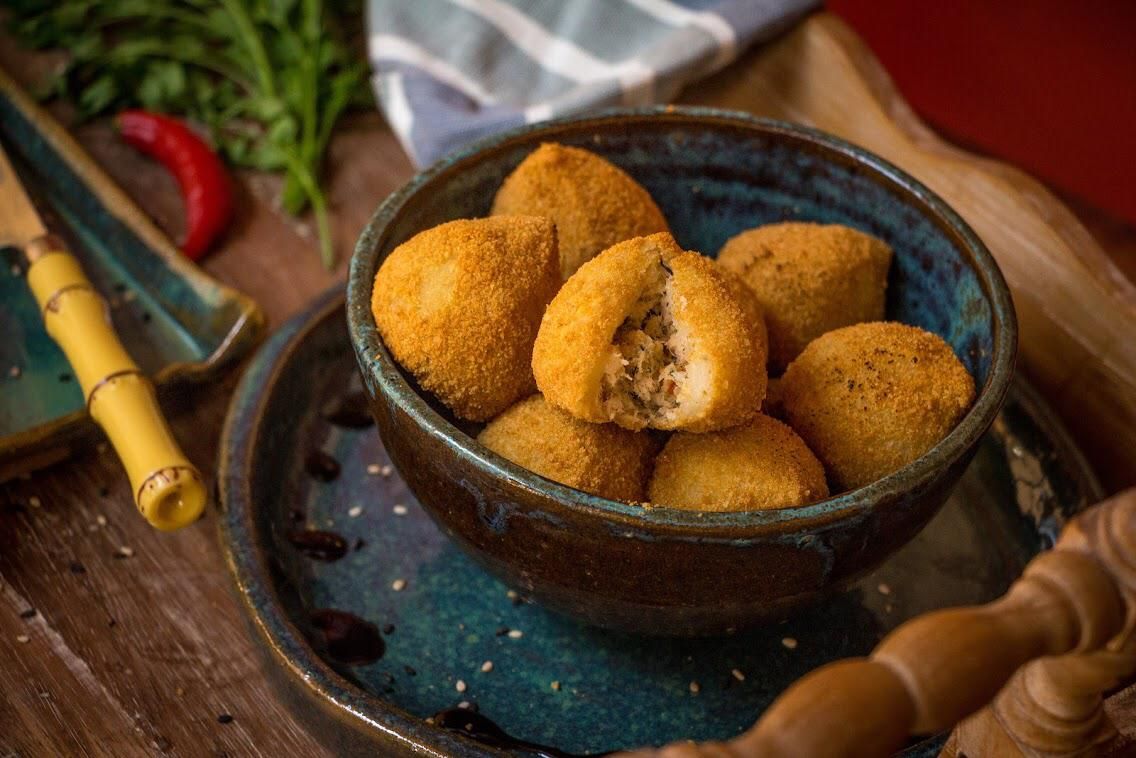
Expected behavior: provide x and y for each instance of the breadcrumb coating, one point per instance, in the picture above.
(601, 459)
(761, 465)
(810, 279)
(646, 334)
(594, 203)
(459, 306)
(871, 398)
(747, 298)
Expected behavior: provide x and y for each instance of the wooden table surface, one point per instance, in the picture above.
(101, 655)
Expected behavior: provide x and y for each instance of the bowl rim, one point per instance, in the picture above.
(381, 372)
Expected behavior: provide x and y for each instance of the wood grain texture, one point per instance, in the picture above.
(179, 652)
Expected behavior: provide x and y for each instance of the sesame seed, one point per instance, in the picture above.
(179, 691)
(354, 511)
(398, 585)
(738, 675)
(129, 296)
(14, 372)
(511, 594)
(23, 638)
(515, 634)
(888, 608)
(695, 688)
(459, 685)
(101, 520)
(487, 667)
(884, 589)
(555, 686)
(789, 642)
(464, 705)
(15, 270)
(329, 522)
(101, 448)
(399, 509)
(386, 471)
(124, 552)
(34, 502)
(373, 469)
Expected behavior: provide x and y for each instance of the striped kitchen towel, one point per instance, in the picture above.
(449, 71)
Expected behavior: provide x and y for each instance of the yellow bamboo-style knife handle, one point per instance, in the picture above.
(168, 489)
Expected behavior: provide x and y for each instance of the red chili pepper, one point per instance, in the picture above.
(205, 188)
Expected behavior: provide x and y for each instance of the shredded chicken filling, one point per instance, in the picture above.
(644, 371)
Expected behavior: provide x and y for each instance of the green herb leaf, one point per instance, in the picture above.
(268, 79)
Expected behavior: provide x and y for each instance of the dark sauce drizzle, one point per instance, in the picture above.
(322, 546)
(321, 466)
(346, 637)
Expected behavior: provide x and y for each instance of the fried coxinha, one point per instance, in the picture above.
(602, 459)
(645, 335)
(593, 202)
(759, 465)
(809, 279)
(459, 305)
(649, 335)
(871, 398)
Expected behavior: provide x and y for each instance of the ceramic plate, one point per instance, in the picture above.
(178, 323)
(403, 642)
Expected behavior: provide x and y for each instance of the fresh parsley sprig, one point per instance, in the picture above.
(268, 79)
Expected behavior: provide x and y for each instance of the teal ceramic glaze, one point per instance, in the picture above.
(617, 690)
(178, 324)
(713, 174)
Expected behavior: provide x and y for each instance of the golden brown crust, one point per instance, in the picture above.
(459, 305)
(575, 337)
(601, 459)
(747, 298)
(761, 465)
(810, 279)
(725, 332)
(593, 203)
(576, 332)
(871, 398)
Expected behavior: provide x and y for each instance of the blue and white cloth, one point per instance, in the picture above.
(450, 71)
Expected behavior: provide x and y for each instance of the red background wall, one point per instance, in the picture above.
(1049, 85)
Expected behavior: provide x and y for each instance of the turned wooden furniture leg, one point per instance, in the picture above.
(1061, 635)
(1055, 706)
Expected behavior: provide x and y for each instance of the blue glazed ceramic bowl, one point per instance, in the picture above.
(714, 174)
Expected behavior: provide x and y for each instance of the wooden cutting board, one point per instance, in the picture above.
(175, 652)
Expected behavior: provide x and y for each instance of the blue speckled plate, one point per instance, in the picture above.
(558, 683)
(179, 324)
